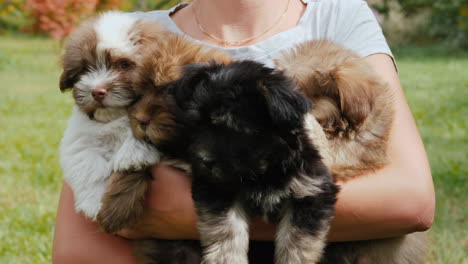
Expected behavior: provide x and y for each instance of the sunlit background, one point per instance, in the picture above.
(429, 39)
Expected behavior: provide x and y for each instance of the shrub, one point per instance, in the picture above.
(450, 21)
(445, 20)
(57, 18)
(12, 15)
(402, 29)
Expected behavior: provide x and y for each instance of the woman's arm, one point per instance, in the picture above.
(399, 198)
(78, 240)
(393, 201)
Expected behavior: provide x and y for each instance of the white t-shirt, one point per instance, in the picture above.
(350, 23)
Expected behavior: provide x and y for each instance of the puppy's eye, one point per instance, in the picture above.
(124, 64)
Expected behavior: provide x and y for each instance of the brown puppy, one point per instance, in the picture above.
(352, 117)
(351, 103)
(152, 120)
(151, 117)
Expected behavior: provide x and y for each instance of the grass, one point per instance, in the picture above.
(436, 85)
(33, 115)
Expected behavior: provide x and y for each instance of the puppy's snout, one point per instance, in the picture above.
(99, 94)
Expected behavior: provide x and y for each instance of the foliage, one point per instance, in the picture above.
(57, 18)
(12, 16)
(450, 21)
(395, 25)
(447, 20)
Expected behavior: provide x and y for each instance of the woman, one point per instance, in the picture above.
(393, 201)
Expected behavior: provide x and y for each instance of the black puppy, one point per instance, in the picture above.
(244, 131)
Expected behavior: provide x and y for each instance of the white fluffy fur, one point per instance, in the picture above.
(93, 79)
(114, 31)
(293, 245)
(319, 139)
(90, 151)
(225, 237)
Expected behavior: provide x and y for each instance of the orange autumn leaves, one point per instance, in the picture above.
(57, 18)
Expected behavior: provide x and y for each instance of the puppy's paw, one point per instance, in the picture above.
(88, 200)
(112, 220)
(135, 155)
(226, 260)
(122, 204)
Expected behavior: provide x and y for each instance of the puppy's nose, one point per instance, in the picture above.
(99, 94)
(143, 121)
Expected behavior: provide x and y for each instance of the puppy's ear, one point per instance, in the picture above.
(286, 107)
(68, 79)
(184, 88)
(352, 83)
(79, 49)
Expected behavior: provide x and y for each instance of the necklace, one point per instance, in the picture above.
(237, 42)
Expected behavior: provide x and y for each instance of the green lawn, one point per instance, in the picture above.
(33, 115)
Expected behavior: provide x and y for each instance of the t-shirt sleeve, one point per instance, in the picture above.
(357, 28)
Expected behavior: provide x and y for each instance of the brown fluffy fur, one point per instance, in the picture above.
(407, 249)
(353, 114)
(81, 47)
(169, 55)
(122, 204)
(353, 106)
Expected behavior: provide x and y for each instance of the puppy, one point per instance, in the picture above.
(246, 141)
(100, 66)
(107, 63)
(351, 103)
(354, 108)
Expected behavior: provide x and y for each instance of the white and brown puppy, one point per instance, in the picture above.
(101, 66)
(110, 62)
(354, 108)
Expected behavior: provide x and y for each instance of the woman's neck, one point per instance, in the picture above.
(234, 20)
(238, 17)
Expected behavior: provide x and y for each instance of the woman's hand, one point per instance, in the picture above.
(170, 212)
(79, 240)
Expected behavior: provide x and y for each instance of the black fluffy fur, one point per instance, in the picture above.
(242, 131)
